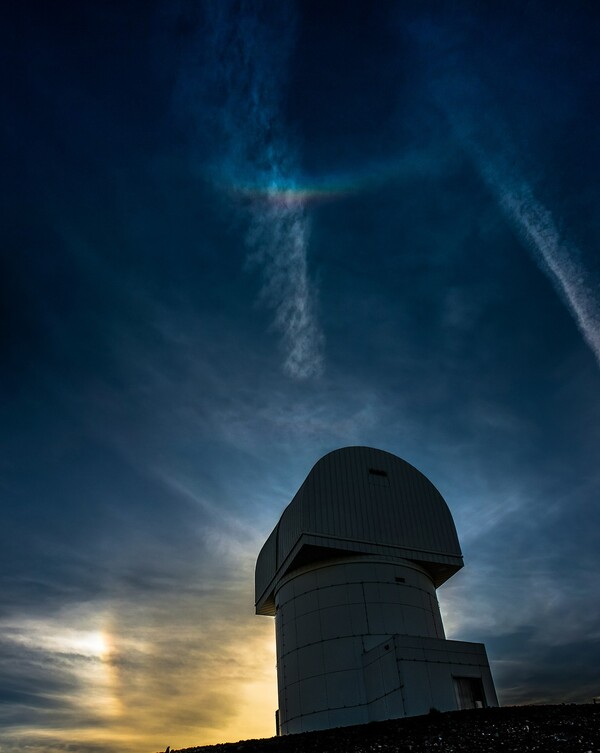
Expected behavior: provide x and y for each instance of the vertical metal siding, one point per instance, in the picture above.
(340, 499)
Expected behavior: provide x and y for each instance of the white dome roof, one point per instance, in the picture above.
(364, 501)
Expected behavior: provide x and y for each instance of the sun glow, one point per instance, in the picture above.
(92, 644)
(58, 638)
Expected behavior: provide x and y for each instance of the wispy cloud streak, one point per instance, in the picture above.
(479, 127)
(279, 238)
(536, 227)
(249, 50)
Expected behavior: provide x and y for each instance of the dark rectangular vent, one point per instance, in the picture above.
(400, 580)
(377, 477)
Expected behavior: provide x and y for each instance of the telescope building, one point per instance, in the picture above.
(350, 574)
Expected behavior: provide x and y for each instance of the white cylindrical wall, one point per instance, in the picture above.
(327, 615)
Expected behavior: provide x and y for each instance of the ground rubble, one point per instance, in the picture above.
(565, 728)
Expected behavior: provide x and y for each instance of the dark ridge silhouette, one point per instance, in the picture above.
(511, 729)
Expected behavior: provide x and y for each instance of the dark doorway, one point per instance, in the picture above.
(469, 693)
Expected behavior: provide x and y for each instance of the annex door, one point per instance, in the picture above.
(469, 693)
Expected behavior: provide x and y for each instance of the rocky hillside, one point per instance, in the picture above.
(511, 729)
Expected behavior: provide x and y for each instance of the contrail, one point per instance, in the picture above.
(279, 236)
(248, 52)
(559, 260)
(537, 229)
(479, 128)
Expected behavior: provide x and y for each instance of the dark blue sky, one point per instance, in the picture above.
(238, 235)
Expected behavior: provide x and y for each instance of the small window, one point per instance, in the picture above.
(398, 579)
(378, 477)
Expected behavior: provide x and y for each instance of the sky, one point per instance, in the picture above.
(237, 236)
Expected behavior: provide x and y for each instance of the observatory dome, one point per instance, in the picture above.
(360, 500)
